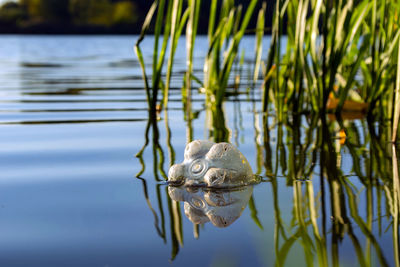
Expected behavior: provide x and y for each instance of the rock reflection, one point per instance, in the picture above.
(221, 207)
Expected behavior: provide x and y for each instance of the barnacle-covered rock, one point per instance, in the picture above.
(218, 165)
(220, 207)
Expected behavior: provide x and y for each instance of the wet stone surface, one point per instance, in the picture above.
(214, 165)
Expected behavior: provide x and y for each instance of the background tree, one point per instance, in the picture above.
(79, 11)
(47, 10)
(125, 12)
(11, 14)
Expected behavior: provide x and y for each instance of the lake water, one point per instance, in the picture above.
(73, 115)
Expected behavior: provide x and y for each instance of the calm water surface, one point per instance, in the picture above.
(73, 115)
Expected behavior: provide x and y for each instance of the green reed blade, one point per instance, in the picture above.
(227, 28)
(232, 51)
(211, 23)
(197, 80)
(146, 23)
(216, 37)
(350, 79)
(157, 32)
(176, 13)
(397, 98)
(357, 19)
(139, 54)
(191, 31)
(157, 74)
(177, 23)
(259, 39)
(314, 30)
(342, 23)
(163, 51)
(237, 22)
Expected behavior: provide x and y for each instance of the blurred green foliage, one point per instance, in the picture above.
(73, 13)
(51, 10)
(125, 12)
(99, 12)
(11, 13)
(90, 16)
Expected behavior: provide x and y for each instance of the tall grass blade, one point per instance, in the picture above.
(232, 51)
(191, 31)
(139, 53)
(259, 39)
(157, 32)
(397, 98)
(176, 29)
(211, 24)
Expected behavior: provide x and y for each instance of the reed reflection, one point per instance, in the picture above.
(328, 197)
(170, 210)
(342, 177)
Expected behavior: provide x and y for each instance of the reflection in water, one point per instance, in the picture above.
(215, 117)
(332, 194)
(332, 213)
(326, 196)
(173, 209)
(69, 79)
(334, 185)
(221, 207)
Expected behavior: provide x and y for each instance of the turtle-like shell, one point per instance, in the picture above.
(213, 165)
